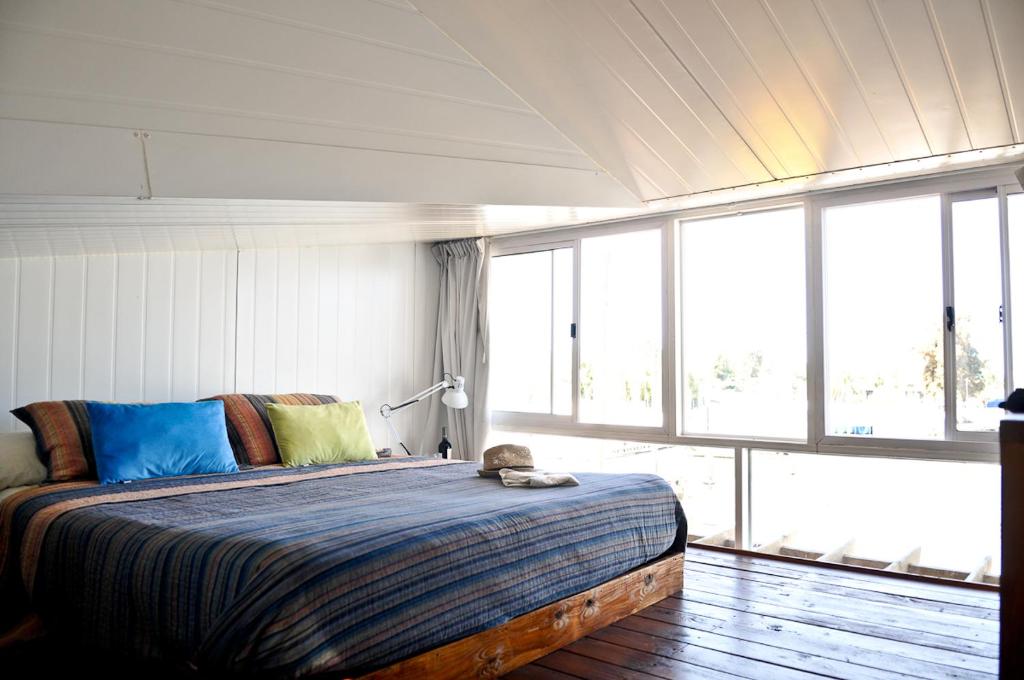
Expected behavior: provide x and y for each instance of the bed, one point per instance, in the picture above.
(342, 569)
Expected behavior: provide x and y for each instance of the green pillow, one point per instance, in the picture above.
(327, 433)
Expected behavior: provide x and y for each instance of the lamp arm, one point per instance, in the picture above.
(387, 409)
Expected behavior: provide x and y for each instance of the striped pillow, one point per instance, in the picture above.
(249, 429)
(63, 438)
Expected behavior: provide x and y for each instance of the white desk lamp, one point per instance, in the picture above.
(454, 397)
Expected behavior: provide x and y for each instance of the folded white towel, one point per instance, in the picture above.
(536, 478)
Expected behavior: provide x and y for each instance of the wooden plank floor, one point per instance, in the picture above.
(753, 617)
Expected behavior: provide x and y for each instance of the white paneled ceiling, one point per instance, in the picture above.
(361, 100)
(676, 97)
(183, 124)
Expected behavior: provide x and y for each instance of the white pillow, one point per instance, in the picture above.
(19, 465)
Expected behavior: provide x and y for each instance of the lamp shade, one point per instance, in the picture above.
(456, 397)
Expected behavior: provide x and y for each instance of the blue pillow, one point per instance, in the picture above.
(142, 441)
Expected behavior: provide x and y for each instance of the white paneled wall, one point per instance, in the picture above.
(336, 321)
(128, 327)
(356, 321)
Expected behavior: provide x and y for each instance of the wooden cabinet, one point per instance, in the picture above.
(1011, 608)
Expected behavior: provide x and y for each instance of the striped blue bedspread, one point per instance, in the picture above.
(288, 572)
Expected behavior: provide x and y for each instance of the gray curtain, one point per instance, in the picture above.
(461, 343)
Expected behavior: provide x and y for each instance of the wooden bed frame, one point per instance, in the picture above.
(499, 650)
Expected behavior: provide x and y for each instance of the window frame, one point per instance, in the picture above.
(956, 444)
(571, 424)
(1004, 192)
(678, 378)
(964, 446)
(525, 250)
(953, 433)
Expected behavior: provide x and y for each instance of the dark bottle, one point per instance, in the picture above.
(445, 447)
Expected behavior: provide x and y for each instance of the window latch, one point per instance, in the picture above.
(1001, 316)
(950, 319)
(572, 330)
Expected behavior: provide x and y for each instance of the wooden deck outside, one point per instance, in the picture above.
(751, 617)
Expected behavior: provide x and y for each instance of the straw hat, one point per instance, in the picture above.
(505, 456)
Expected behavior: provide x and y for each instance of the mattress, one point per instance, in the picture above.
(284, 572)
